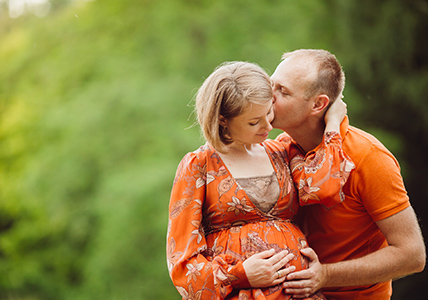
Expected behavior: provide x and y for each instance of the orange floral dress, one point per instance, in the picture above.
(213, 226)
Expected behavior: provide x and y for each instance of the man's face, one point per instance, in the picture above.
(291, 107)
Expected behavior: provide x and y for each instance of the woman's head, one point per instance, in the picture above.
(227, 93)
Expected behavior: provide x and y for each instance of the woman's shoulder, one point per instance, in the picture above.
(199, 156)
(204, 160)
(199, 153)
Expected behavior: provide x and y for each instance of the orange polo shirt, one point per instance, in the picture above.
(373, 192)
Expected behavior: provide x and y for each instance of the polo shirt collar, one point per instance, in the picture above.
(344, 127)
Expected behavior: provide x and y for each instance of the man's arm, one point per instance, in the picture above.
(404, 255)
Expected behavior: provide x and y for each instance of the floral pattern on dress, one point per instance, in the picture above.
(213, 225)
(239, 206)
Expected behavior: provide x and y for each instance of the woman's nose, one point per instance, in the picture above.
(268, 125)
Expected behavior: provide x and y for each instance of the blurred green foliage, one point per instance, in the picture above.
(96, 113)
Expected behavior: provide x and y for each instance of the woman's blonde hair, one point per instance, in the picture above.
(227, 92)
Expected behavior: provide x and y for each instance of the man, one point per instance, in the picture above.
(372, 236)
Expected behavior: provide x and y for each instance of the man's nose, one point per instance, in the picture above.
(273, 98)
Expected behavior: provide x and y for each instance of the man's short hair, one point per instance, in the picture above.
(330, 79)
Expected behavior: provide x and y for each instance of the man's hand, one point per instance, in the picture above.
(304, 283)
(266, 268)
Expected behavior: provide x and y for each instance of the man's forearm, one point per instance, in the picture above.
(383, 265)
(404, 255)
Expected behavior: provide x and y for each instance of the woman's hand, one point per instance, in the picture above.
(266, 268)
(334, 116)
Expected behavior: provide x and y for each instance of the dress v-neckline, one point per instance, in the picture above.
(280, 183)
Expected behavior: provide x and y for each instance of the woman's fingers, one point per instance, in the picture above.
(265, 254)
(281, 274)
(282, 266)
(278, 257)
(284, 272)
(281, 259)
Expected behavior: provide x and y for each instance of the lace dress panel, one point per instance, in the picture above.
(263, 191)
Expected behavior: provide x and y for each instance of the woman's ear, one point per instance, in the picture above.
(222, 120)
(320, 103)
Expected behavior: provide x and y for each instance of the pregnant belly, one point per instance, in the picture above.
(240, 242)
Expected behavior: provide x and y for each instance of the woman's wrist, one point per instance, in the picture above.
(332, 126)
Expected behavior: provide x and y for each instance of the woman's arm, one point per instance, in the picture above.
(189, 268)
(321, 173)
(334, 116)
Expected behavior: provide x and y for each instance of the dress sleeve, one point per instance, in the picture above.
(320, 174)
(190, 263)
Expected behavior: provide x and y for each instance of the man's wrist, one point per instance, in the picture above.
(326, 270)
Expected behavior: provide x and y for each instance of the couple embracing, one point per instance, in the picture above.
(320, 212)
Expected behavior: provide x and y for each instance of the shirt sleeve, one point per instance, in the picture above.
(379, 182)
(191, 266)
(320, 174)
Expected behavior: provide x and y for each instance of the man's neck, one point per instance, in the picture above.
(308, 137)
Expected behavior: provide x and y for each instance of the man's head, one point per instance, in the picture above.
(305, 84)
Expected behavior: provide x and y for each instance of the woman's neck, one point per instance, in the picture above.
(242, 149)
(247, 161)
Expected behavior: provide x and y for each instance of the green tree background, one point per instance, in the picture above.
(96, 113)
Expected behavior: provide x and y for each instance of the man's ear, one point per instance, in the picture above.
(320, 103)
(222, 120)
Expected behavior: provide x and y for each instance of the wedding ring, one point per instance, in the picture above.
(277, 272)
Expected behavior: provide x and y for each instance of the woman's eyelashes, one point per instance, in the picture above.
(267, 115)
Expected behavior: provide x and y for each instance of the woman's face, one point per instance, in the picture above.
(252, 126)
